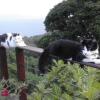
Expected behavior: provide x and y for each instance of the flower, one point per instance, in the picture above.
(5, 92)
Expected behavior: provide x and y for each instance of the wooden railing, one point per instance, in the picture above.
(21, 65)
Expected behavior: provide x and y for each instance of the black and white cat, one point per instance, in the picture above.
(11, 40)
(85, 51)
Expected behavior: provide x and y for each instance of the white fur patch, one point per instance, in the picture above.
(13, 41)
(96, 61)
(19, 41)
(91, 54)
(70, 59)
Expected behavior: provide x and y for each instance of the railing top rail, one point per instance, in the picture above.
(40, 50)
(33, 49)
(87, 64)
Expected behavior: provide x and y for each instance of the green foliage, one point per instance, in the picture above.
(12, 85)
(63, 82)
(33, 40)
(48, 38)
(68, 82)
(32, 80)
(30, 62)
(86, 18)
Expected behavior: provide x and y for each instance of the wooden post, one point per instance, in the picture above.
(21, 71)
(3, 64)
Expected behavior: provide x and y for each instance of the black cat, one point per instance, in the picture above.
(67, 49)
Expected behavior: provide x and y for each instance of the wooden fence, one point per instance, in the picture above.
(21, 65)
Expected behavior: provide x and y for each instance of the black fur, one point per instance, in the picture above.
(63, 49)
(91, 44)
(3, 38)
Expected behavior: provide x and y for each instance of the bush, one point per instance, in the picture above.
(53, 36)
(85, 18)
(68, 82)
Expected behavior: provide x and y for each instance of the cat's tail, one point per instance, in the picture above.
(44, 61)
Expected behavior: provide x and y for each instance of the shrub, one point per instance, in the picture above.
(68, 82)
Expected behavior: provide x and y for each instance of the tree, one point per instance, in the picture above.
(74, 16)
(71, 18)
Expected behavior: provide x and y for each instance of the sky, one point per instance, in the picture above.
(17, 14)
(26, 9)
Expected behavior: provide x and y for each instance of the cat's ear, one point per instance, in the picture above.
(80, 39)
(15, 34)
